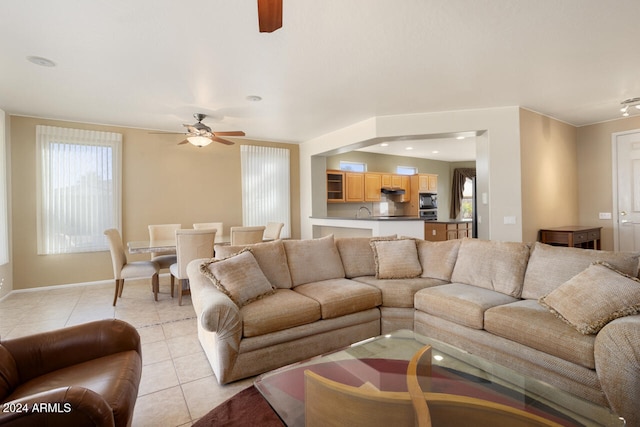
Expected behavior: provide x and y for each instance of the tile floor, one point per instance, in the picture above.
(178, 386)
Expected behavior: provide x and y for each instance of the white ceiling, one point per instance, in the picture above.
(153, 63)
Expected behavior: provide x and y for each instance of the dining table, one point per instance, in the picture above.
(159, 246)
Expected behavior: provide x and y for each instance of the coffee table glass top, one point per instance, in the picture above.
(382, 361)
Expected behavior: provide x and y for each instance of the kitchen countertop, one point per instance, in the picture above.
(372, 218)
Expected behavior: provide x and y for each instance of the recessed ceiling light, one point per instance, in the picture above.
(409, 148)
(384, 144)
(38, 60)
(459, 137)
(254, 98)
(435, 152)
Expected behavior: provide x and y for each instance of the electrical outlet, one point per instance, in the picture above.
(604, 215)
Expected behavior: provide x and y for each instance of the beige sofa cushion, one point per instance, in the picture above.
(400, 292)
(239, 277)
(396, 259)
(438, 258)
(594, 297)
(460, 303)
(270, 256)
(284, 309)
(551, 266)
(530, 324)
(499, 266)
(357, 256)
(313, 260)
(338, 297)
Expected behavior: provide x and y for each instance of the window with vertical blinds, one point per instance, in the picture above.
(79, 188)
(4, 218)
(265, 186)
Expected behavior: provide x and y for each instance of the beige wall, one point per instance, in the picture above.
(162, 183)
(6, 273)
(549, 174)
(595, 173)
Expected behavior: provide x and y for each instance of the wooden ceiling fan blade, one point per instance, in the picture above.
(269, 15)
(186, 141)
(230, 133)
(222, 141)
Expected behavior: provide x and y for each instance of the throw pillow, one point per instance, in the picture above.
(239, 277)
(396, 259)
(438, 258)
(313, 260)
(594, 297)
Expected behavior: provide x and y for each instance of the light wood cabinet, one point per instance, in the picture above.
(354, 187)
(386, 180)
(372, 186)
(405, 184)
(441, 231)
(335, 186)
(427, 183)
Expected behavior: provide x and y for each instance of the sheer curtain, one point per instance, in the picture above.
(265, 186)
(79, 188)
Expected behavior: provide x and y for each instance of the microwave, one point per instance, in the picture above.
(428, 200)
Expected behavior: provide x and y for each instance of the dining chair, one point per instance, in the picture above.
(190, 245)
(446, 409)
(129, 270)
(329, 403)
(208, 225)
(166, 258)
(273, 230)
(247, 235)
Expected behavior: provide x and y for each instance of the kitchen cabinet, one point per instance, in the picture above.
(441, 231)
(405, 184)
(335, 186)
(354, 187)
(427, 183)
(372, 186)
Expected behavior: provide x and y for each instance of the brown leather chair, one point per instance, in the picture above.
(84, 375)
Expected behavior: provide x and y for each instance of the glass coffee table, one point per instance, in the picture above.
(382, 361)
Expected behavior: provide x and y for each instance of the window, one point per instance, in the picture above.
(353, 166)
(78, 189)
(466, 206)
(4, 219)
(406, 170)
(265, 186)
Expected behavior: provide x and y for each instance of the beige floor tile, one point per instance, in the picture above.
(192, 367)
(205, 394)
(157, 376)
(155, 352)
(184, 345)
(181, 327)
(163, 408)
(150, 334)
(30, 328)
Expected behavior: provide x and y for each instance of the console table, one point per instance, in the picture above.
(573, 236)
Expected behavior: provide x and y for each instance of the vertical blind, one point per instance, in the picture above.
(4, 218)
(265, 186)
(78, 188)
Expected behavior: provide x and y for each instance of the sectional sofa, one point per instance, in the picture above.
(567, 316)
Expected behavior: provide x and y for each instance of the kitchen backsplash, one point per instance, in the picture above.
(382, 208)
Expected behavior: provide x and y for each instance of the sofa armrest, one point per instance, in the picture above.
(45, 352)
(617, 355)
(64, 406)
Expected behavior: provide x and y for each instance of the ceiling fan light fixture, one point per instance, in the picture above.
(631, 102)
(199, 141)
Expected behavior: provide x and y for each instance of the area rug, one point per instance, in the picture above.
(247, 408)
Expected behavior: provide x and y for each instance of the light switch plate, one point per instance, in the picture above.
(604, 215)
(511, 220)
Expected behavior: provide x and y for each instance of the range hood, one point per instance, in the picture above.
(392, 190)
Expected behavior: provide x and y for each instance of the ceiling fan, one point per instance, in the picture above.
(269, 15)
(200, 134)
